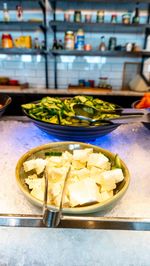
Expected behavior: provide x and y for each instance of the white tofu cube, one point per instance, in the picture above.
(54, 161)
(56, 174)
(40, 165)
(38, 186)
(108, 187)
(106, 195)
(29, 165)
(80, 173)
(67, 157)
(37, 164)
(82, 155)
(95, 173)
(111, 176)
(78, 164)
(98, 160)
(83, 192)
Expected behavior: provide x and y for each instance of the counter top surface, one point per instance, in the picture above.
(75, 247)
(75, 91)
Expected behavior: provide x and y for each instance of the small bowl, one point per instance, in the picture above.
(147, 125)
(5, 100)
(70, 146)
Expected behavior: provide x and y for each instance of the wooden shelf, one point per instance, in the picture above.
(20, 51)
(62, 26)
(99, 53)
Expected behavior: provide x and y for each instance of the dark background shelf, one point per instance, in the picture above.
(62, 26)
(21, 25)
(101, 1)
(99, 53)
(20, 51)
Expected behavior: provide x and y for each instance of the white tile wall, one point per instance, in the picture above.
(70, 69)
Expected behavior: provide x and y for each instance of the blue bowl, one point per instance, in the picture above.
(5, 100)
(74, 133)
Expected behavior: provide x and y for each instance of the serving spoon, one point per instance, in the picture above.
(81, 109)
(126, 119)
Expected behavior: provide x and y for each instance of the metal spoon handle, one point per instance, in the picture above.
(51, 218)
(116, 120)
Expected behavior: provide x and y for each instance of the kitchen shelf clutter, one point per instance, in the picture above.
(24, 44)
(75, 26)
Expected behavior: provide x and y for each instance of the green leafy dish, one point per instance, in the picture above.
(62, 111)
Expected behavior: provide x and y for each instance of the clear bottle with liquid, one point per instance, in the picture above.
(19, 12)
(6, 16)
(102, 46)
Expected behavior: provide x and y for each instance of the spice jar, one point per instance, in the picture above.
(7, 41)
(77, 16)
(100, 16)
(114, 18)
(88, 18)
(69, 40)
(87, 47)
(126, 18)
(67, 17)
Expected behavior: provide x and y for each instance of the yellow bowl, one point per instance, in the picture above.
(70, 146)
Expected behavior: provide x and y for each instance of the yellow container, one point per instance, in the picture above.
(28, 42)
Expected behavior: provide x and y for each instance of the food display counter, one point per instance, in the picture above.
(132, 212)
(131, 142)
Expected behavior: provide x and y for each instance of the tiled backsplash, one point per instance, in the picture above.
(30, 69)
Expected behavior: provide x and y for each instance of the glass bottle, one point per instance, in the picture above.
(55, 46)
(5, 13)
(102, 46)
(136, 17)
(36, 43)
(100, 16)
(114, 19)
(60, 45)
(19, 11)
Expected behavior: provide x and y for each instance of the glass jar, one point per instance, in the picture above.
(7, 41)
(77, 16)
(69, 40)
(100, 16)
(114, 18)
(126, 18)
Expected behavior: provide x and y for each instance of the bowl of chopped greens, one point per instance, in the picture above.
(57, 116)
(97, 178)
